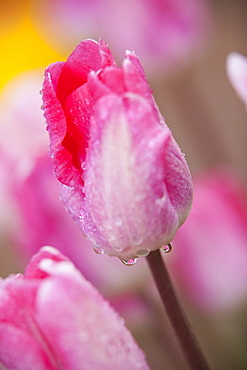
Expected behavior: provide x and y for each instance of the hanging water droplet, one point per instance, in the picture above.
(166, 248)
(98, 250)
(130, 262)
(142, 252)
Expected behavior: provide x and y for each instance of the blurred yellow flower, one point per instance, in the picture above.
(22, 48)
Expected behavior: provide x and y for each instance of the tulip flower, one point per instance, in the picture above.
(52, 318)
(210, 250)
(237, 73)
(125, 180)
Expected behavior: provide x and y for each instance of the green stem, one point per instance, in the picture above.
(175, 313)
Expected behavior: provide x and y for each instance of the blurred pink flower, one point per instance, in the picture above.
(31, 214)
(21, 138)
(237, 73)
(52, 318)
(209, 259)
(164, 33)
(126, 182)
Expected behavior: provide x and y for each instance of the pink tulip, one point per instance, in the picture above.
(125, 180)
(52, 318)
(210, 251)
(237, 73)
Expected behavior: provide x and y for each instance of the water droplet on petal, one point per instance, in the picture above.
(130, 262)
(143, 252)
(136, 239)
(166, 248)
(108, 225)
(118, 221)
(98, 250)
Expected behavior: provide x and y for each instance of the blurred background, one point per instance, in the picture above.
(183, 45)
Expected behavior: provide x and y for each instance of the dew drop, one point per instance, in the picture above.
(118, 221)
(130, 262)
(108, 225)
(136, 239)
(166, 248)
(98, 250)
(142, 252)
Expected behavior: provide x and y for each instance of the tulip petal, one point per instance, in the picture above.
(82, 327)
(178, 181)
(88, 56)
(85, 58)
(52, 318)
(19, 351)
(19, 329)
(128, 145)
(62, 159)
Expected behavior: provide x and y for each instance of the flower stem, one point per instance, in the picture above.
(175, 313)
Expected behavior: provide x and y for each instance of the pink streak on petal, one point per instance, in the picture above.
(17, 318)
(19, 350)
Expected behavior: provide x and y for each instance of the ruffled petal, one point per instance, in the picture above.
(54, 114)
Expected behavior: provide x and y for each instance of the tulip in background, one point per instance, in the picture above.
(125, 180)
(210, 250)
(52, 318)
(237, 72)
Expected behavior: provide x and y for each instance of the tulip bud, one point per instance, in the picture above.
(125, 180)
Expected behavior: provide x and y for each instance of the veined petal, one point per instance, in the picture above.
(124, 177)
